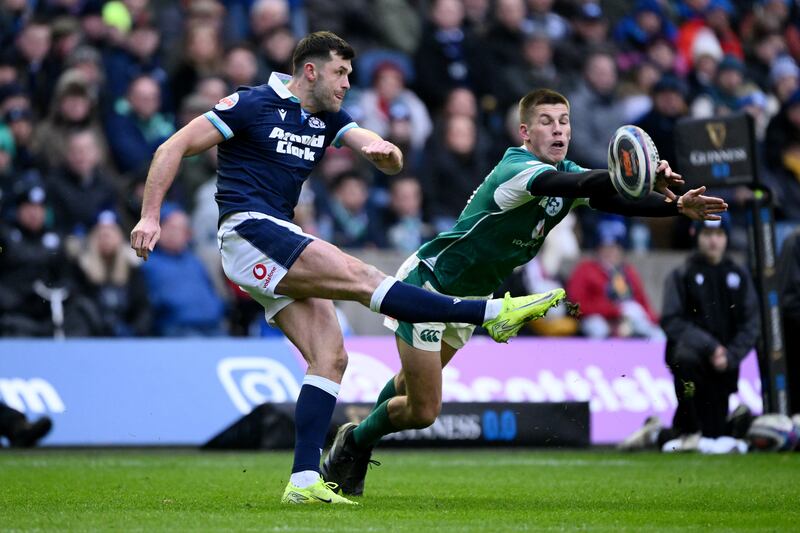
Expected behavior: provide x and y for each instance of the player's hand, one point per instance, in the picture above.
(144, 236)
(719, 359)
(698, 207)
(381, 152)
(665, 178)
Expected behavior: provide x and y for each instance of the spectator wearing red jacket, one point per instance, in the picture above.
(609, 290)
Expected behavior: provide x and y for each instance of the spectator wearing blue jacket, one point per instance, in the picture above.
(181, 292)
(136, 127)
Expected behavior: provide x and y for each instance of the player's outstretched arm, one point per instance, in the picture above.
(384, 155)
(199, 135)
(693, 205)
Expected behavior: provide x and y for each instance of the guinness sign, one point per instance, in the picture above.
(718, 151)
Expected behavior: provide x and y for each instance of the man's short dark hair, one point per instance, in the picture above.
(318, 46)
(539, 97)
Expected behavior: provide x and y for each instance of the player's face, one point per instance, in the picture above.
(711, 242)
(332, 83)
(548, 133)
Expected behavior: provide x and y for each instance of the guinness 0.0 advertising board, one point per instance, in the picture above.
(716, 152)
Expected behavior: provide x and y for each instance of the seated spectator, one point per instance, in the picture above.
(669, 105)
(453, 166)
(405, 229)
(40, 288)
(74, 108)
(388, 90)
(137, 55)
(81, 189)
(507, 34)
(535, 69)
(34, 61)
(240, 67)
(350, 222)
(596, 111)
(136, 128)
(637, 30)
(201, 56)
(20, 433)
(20, 123)
(702, 59)
(542, 18)
(590, 31)
(181, 292)
(723, 99)
(114, 280)
(782, 159)
(449, 56)
(275, 51)
(610, 292)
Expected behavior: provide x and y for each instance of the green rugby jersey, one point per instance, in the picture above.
(501, 227)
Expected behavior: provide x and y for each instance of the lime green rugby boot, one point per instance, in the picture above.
(517, 311)
(319, 492)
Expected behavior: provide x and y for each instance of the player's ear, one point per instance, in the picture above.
(523, 132)
(310, 71)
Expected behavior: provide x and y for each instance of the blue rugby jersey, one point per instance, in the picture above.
(271, 145)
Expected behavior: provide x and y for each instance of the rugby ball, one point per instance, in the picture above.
(772, 432)
(632, 162)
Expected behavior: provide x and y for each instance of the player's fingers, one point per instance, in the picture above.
(669, 194)
(712, 217)
(711, 199)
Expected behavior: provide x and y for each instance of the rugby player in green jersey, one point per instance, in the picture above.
(503, 225)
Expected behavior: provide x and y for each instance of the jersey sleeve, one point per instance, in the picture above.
(340, 123)
(234, 113)
(571, 166)
(514, 179)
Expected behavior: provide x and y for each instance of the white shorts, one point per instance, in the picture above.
(257, 252)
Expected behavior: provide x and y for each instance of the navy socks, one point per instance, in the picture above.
(407, 303)
(312, 418)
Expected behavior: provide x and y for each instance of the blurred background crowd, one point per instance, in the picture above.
(90, 88)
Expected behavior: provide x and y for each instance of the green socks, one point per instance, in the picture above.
(389, 391)
(377, 424)
(372, 428)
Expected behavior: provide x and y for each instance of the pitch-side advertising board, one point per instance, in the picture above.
(181, 392)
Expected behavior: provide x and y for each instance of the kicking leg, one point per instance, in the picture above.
(324, 271)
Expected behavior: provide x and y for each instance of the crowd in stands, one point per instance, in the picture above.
(90, 88)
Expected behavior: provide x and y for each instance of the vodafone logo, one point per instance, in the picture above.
(260, 272)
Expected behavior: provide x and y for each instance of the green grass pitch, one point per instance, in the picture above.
(446, 490)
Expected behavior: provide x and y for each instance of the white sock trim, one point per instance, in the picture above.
(331, 387)
(380, 292)
(493, 308)
(304, 479)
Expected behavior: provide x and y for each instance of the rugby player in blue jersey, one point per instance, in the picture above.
(270, 137)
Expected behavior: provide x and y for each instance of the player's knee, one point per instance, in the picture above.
(424, 415)
(338, 362)
(332, 363)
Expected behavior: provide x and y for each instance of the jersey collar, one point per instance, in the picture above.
(278, 81)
